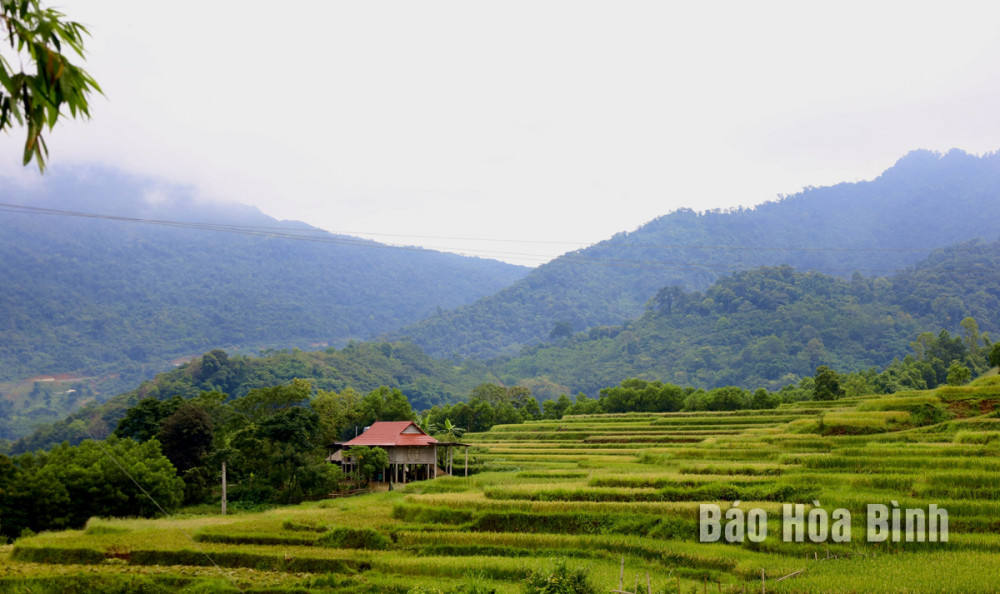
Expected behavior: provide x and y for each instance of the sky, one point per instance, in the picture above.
(522, 130)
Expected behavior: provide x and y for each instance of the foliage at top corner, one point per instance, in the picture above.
(37, 78)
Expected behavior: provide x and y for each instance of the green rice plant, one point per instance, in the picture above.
(303, 527)
(585, 523)
(571, 496)
(343, 537)
(907, 403)
(55, 554)
(579, 494)
(913, 572)
(481, 503)
(425, 514)
(115, 584)
(640, 438)
(734, 469)
(283, 561)
(552, 475)
(255, 539)
(659, 481)
(977, 437)
(986, 390)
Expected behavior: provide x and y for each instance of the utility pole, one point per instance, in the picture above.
(223, 487)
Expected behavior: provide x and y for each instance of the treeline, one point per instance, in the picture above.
(771, 327)
(66, 486)
(492, 404)
(936, 360)
(361, 366)
(273, 441)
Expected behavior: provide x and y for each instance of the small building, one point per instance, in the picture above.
(412, 452)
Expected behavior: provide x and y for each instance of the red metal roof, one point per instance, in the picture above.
(390, 433)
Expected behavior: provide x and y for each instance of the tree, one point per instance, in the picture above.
(667, 298)
(561, 330)
(142, 422)
(451, 431)
(369, 461)
(335, 412)
(958, 374)
(763, 399)
(186, 436)
(298, 427)
(39, 80)
(384, 404)
(65, 487)
(492, 393)
(555, 409)
(994, 356)
(970, 335)
(827, 386)
(584, 406)
(261, 403)
(278, 459)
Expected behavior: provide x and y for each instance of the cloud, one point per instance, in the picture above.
(564, 121)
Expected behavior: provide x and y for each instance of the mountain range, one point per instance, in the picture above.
(161, 276)
(769, 327)
(925, 201)
(110, 278)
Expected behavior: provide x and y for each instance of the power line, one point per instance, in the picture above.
(156, 503)
(321, 236)
(300, 230)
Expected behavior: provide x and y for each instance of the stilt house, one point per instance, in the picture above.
(412, 453)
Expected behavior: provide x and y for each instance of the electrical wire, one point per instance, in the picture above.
(110, 455)
(343, 238)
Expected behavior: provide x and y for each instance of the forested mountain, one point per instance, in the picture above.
(93, 296)
(925, 201)
(770, 326)
(358, 366)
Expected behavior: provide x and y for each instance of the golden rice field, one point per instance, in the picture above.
(603, 493)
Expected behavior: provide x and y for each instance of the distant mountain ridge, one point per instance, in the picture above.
(925, 201)
(97, 296)
(770, 326)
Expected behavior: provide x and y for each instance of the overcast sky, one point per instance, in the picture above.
(551, 125)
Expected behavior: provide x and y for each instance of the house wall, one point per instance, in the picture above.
(412, 455)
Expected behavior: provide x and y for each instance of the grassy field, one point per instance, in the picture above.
(596, 491)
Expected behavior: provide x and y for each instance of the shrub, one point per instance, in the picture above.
(559, 580)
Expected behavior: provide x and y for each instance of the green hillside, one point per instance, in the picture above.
(614, 498)
(362, 367)
(114, 302)
(925, 201)
(768, 327)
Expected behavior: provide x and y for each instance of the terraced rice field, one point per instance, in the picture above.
(597, 490)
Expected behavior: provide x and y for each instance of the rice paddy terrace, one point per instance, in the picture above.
(596, 490)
